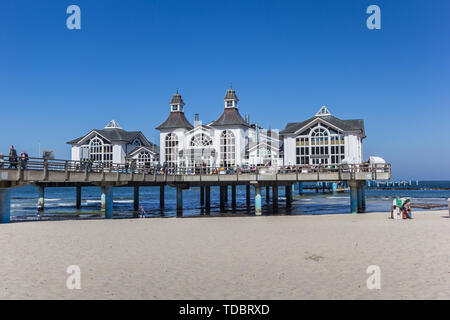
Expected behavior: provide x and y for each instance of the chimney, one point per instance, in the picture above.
(247, 118)
(196, 123)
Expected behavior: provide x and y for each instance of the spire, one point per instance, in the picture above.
(112, 124)
(323, 112)
(177, 103)
(231, 99)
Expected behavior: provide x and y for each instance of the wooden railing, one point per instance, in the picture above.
(20, 164)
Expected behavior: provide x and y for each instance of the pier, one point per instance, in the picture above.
(45, 173)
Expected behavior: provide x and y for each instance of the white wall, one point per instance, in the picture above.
(289, 151)
(353, 147)
(75, 153)
(119, 153)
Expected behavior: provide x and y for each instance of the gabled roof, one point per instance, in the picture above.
(140, 149)
(176, 120)
(344, 125)
(230, 117)
(117, 134)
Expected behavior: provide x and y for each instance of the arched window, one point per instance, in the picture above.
(227, 148)
(95, 149)
(144, 159)
(136, 142)
(201, 140)
(171, 148)
(320, 145)
(100, 152)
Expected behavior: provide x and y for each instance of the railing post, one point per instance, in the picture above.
(66, 169)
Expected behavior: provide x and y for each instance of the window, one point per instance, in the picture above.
(171, 149)
(144, 159)
(201, 140)
(100, 152)
(229, 103)
(136, 142)
(320, 145)
(227, 148)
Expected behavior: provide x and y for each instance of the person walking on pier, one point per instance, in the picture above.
(24, 160)
(12, 158)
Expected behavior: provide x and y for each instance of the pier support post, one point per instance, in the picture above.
(268, 194)
(107, 202)
(161, 197)
(202, 196)
(78, 201)
(233, 197)
(275, 198)
(361, 198)
(247, 193)
(257, 200)
(222, 198)
(225, 188)
(353, 196)
(136, 198)
(208, 199)
(288, 196)
(5, 205)
(300, 188)
(179, 201)
(41, 198)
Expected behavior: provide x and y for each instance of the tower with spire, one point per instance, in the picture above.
(176, 119)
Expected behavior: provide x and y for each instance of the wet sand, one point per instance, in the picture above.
(269, 257)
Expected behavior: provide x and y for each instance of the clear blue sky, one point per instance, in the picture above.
(284, 58)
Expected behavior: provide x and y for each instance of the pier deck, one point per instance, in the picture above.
(66, 173)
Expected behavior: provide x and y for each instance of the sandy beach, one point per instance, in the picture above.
(268, 257)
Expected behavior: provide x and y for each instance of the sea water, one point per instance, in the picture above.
(60, 202)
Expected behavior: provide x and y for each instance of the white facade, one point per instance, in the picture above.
(323, 140)
(221, 143)
(113, 145)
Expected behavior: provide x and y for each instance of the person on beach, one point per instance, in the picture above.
(406, 210)
(12, 158)
(40, 208)
(141, 212)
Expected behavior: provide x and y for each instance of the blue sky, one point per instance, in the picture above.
(284, 58)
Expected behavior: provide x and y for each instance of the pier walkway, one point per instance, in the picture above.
(45, 173)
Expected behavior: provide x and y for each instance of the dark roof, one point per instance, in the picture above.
(176, 99)
(231, 95)
(345, 125)
(230, 116)
(117, 134)
(176, 120)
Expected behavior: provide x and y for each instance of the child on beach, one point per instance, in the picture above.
(40, 208)
(141, 212)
